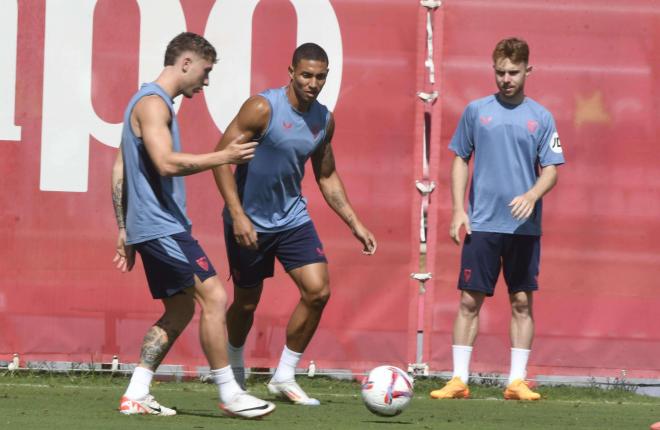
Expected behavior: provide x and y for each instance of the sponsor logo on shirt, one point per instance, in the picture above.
(555, 144)
(485, 120)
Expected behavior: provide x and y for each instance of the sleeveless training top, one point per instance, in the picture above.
(155, 205)
(269, 186)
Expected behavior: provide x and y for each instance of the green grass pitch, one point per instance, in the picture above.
(46, 401)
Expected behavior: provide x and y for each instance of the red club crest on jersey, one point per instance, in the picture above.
(203, 263)
(286, 125)
(485, 120)
(532, 125)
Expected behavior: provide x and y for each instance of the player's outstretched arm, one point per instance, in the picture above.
(153, 119)
(334, 193)
(459, 180)
(522, 206)
(124, 254)
(250, 123)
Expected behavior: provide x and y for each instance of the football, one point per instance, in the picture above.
(387, 391)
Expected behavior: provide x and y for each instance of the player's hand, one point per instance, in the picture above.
(522, 206)
(238, 152)
(368, 240)
(458, 219)
(244, 233)
(124, 254)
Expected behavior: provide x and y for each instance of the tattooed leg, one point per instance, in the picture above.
(161, 336)
(155, 346)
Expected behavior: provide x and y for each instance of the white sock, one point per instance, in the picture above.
(519, 359)
(227, 386)
(286, 370)
(235, 355)
(461, 355)
(138, 388)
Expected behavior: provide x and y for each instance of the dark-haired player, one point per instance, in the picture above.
(266, 215)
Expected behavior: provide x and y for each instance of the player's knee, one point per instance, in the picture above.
(219, 299)
(521, 309)
(246, 300)
(245, 306)
(468, 312)
(468, 306)
(212, 299)
(317, 298)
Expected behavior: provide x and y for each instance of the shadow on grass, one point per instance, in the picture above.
(202, 414)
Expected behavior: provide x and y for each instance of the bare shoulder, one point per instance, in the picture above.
(151, 108)
(254, 114)
(149, 111)
(256, 106)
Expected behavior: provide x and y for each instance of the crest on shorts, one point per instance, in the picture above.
(203, 262)
(320, 251)
(467, 275)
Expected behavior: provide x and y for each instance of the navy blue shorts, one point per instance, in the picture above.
(484, 254)
(293, 248)
(171, 262)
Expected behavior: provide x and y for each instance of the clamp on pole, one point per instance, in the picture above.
(421, 278)
(425, 187)
(431, 4)
(428, 97)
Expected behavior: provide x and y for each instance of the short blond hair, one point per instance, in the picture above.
(512, 48)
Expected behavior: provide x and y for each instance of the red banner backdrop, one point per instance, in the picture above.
(60, 296)
(596, 67)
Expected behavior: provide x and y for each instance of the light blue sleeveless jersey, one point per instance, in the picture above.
(269, 186)
(509, 144)
(156, 205)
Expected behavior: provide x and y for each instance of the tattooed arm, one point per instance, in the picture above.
(118, 196)
(332, 188)
(124, 254)
(151, 119)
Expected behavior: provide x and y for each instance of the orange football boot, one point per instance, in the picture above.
(519, 390)
(454, 389)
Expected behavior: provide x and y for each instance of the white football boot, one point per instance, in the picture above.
(290, 390)
(146, 406)
(244, 405)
